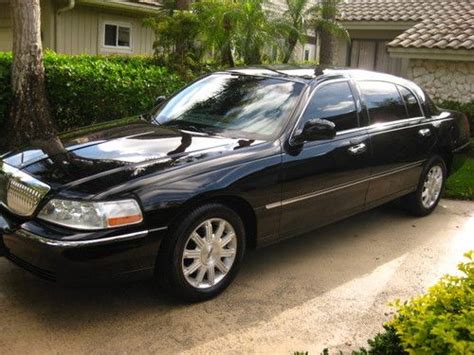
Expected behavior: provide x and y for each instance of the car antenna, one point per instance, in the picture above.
(318, 71)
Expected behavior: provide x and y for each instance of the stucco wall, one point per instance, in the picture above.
(444, 80)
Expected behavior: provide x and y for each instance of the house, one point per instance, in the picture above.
(108, 27)
(89, 26)
(428, 41)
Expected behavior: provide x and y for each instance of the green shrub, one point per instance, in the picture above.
(385, 343)
(86, 89)
(442, 320)
(467, 108)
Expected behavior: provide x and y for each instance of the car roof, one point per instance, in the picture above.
(316, 74)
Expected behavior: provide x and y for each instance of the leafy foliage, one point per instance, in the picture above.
(229, 31)
(385, 343)
(176, 43)
(85, 89)
(442, 320)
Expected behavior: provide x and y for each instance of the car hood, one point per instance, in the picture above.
(97, 158)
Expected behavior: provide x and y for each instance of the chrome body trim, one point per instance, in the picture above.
(20, 193)
(339, 187)
(81, 243)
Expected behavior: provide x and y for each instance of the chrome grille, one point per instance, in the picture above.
(20, 192)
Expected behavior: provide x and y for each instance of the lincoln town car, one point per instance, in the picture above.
(238, 159)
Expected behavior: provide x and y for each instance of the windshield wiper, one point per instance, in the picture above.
(187, 127)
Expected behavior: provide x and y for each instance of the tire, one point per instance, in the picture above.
(177, 272)
(428, 193)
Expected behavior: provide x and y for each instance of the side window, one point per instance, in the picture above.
(430, 106)
(411, 102)
(383, 101)
(333, 102)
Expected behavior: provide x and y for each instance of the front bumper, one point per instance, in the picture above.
(95, 258)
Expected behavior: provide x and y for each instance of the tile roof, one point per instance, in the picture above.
(447, 25)
(381, 10)
(441, 24)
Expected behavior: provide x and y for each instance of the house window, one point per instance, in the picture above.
(306, 55)
(118, 36)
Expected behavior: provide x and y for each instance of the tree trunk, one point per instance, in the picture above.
(183, 4)
(227, 57)
(328, 42)
(292, 42)
(30, 118)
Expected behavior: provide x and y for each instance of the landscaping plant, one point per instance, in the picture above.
(438, 322)
(83, 90)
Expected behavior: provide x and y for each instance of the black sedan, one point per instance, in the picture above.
(238, 159)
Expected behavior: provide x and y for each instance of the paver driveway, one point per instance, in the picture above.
(327, 288)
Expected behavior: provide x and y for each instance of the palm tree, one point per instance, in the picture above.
(293, 25)
(218, 22)
(254, 31)
(324, 21)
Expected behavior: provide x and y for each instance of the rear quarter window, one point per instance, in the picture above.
(411, 102)
(383, 101)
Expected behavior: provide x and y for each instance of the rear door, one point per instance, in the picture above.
(326, 180)
(400, 137)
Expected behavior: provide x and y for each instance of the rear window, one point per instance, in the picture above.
(383, 101)
(413, 108)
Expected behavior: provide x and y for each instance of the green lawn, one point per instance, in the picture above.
(460, 185)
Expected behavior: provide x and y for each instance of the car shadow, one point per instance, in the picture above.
(271, 281)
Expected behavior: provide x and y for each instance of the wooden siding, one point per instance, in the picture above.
(81, 31)
(373, 55)
(5, 27)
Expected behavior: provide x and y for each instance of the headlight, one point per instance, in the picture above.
(92, 215)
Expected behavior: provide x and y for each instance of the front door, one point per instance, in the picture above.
(325, 180)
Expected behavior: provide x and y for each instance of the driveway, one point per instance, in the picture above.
(329, 288)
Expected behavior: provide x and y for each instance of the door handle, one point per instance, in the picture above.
(357, 149)
(424, 132)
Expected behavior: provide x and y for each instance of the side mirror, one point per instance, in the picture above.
(315, 130)
(159, 100)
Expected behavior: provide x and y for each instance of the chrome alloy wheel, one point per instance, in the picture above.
(432, 186)
(209, 253)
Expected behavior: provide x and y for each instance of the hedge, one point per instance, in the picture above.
(86, 89)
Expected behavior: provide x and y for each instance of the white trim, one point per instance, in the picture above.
(432, 53)
(378, 25)
(115, 49)
(130, 7)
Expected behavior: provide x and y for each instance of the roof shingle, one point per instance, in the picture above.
(442, 24)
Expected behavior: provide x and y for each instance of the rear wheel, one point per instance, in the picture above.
(430, 188)
(203, 255)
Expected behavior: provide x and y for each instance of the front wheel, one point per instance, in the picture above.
(430, 188)
(204, 253)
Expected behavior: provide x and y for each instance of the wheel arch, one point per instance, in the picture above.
(238, 204)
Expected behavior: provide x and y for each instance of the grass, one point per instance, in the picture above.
(460, 184)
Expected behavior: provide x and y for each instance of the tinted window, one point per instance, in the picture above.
(232, 105)
(110, 35)
(383, 101)
(430, 105)
(411, 102)
(333, 102)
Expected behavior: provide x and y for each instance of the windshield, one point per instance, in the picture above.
(232, 105)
